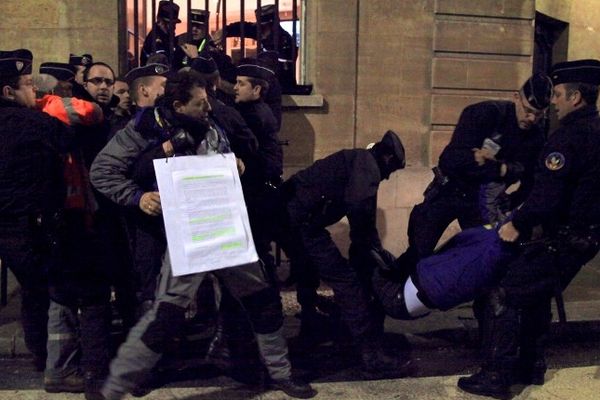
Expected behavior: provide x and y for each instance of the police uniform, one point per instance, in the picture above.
(158, 40)
(199, 18)
(343, 184)
(455, 190)
(278, 40)
(264, 169)
(31, 196)
(564, 201)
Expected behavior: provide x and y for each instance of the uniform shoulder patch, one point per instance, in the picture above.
(555, 161)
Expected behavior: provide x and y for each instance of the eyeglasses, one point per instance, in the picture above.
(99, 81)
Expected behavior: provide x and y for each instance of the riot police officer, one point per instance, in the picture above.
(564, 201)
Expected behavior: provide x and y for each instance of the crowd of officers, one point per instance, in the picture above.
(81, 215)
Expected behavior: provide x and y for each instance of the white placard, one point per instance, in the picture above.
(204, 212)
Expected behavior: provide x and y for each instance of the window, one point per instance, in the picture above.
(140, 20)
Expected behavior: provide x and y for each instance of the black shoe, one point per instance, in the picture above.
(486, 383)
(532, 373)
(377, 365)
(73, 383)
(293, 388)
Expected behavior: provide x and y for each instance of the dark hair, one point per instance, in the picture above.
(86, 71)
(264, 85)
(12, 81)
(589, 92)
(179, 88)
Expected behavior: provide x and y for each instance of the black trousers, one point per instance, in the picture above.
(531, 280)
(314, 243)
(26, 248)
(429, 219)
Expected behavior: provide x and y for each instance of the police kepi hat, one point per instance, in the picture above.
(61, 71)
(267, 14)
(538, 90)
(168, 10)
(204, 65)
(392, 144)
(255, 71)
(199, 17)
(146, 70)
(84, 59)
(584, 71)
(15, 62)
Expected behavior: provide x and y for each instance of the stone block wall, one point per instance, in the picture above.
(52, 29)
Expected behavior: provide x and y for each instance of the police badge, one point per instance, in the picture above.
(555, 161)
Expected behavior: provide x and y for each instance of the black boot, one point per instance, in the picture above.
(487, 382)
(376, 364)
(535, 324)
(500, 328)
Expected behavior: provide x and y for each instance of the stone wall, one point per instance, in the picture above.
(52, 29)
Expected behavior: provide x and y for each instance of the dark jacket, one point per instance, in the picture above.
(267, 164)
(343, 184)
(157, 41)
(567, 179)
(495, 120)
(243, 142)
(31, 171)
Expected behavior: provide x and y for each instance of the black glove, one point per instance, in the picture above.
(383, 259)
(182, 141)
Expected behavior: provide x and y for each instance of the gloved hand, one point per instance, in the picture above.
(182, 141)
(383, 259)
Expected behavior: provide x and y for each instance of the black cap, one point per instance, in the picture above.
(168, 10)
(15, 62)
(199, 16)
(255, 71)
(146, 70)
(584, 71)
(61, 71)
(538, 90)
(204, 65)
(391, 144)
(84, 59)
(267, 14)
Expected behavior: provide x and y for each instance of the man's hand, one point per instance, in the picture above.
(190, 50)
(482, 155)
(508, 232)
(150, 203)
(241, 167)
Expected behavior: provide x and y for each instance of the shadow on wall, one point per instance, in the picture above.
(298, 131)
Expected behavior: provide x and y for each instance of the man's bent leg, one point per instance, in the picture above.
(146, 340)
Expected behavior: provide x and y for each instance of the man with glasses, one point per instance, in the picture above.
(494, 142)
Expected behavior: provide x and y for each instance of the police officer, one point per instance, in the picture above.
(64, 74)
(80, 63)
(161, 36)
(31, 193)
(272, 38)
(264, 169)
(343, 184)
(494, 141)
(564, 201)
(198, 38)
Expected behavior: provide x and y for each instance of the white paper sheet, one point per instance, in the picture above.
(204, 212)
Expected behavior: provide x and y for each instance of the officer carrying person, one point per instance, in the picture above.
(494, 141)
(343, 184)
(564, 202)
